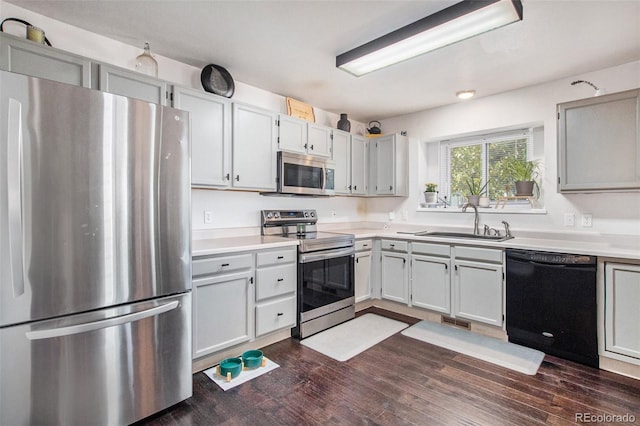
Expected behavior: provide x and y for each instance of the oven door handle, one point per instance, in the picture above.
(325, 255)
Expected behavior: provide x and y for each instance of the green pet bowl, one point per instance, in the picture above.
(252, 358)
(230, 365)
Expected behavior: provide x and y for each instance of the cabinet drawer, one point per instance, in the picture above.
(395, 245)
(276, 257)
(432, 249)
(272, 316)
(362, 245)
(216, 265)
(275, 281)
(477, 253)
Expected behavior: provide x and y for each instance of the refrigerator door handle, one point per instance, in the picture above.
(96, 325)
(14, 195)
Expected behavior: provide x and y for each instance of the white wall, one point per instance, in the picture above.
(230, 208)
(614, 213)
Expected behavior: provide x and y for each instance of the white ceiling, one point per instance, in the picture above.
(289, 47)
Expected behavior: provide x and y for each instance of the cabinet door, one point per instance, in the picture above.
(599, 140)
(275, 314)
(477, 293)
(342, 159)
(210, 117)
(395, 277)
(318, 140)
(132, 84)
(222, 312)
(385, 169)
(359, 164)
(292, 134)
(430, 283)
(363, 276)
(254, 148)
(622, 309)
(28, 58)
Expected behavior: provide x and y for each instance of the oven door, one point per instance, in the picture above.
(326, 281)
(303, 174)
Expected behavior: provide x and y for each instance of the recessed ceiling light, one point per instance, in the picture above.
(466, 94)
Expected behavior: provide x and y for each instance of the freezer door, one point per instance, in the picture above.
(113, 366)
(94, 200)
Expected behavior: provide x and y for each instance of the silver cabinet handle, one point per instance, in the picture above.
(14, 195)
(96, 325)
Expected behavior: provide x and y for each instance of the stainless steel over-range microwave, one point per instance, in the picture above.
(305, 174)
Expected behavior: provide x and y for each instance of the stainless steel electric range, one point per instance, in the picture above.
(326, 295)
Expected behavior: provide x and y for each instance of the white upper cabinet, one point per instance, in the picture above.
(133, 84)
(302, 137)
(342, 160)
(292, 134)
(319, 140)
(599, 143)
(359, 157)
(26, 57)
(210, 117)
(254, 148)
(389, 172)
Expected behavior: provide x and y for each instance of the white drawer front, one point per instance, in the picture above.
(478, 253)
(362, 245)
(431, 249)
(395, 245)
(217, 265)
(271, 316)
(276, 257)
(275, 281)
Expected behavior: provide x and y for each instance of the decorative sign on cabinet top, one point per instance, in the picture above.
(301, 110)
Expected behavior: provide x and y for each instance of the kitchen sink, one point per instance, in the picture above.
(462, 235)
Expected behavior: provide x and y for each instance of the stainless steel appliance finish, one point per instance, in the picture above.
(95, 265)
(326, 293)
(305, 175)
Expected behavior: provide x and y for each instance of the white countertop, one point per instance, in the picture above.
(562, 243)
(211, 246)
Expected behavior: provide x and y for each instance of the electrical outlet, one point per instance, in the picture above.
(587, 220)
(208, 217)
(569, 219)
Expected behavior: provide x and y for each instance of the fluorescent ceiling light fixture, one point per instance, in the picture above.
(466, 94)
(455, 23)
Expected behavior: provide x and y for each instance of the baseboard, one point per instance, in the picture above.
(620, 367)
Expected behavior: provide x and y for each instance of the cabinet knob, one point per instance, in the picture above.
(280, 314)
(311, 147)
(280, 257)
(280, 280)
(238, 178)
(355, 187)
(390, 188)
(228, 176)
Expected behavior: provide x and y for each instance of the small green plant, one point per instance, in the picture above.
(523, 170)
(475, 186)
(430, 187)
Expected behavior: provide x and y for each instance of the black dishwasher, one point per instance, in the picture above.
(551, 303)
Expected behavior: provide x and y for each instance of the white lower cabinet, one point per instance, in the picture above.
(363, 270)
(222, 311)
(394, 270)
(478, 285)
(239, 297)
(622, 311)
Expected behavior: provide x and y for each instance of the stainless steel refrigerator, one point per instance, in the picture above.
(95, 263)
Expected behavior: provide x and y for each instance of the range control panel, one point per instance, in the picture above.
(282, 217)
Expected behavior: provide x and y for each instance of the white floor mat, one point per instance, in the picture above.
(348, 339)
(244, 376)
(505, 354)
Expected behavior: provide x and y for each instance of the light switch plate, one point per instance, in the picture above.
(208, 217)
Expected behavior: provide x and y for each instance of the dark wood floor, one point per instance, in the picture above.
(405, 381)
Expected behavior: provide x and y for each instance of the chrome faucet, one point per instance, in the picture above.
(476, 229)
(507, 232)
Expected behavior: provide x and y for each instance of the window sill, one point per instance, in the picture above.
(483, 210)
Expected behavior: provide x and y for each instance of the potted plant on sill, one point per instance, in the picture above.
(431, 193)
(525, 174)
(476, 189)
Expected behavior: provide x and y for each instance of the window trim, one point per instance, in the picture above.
(483, 140)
